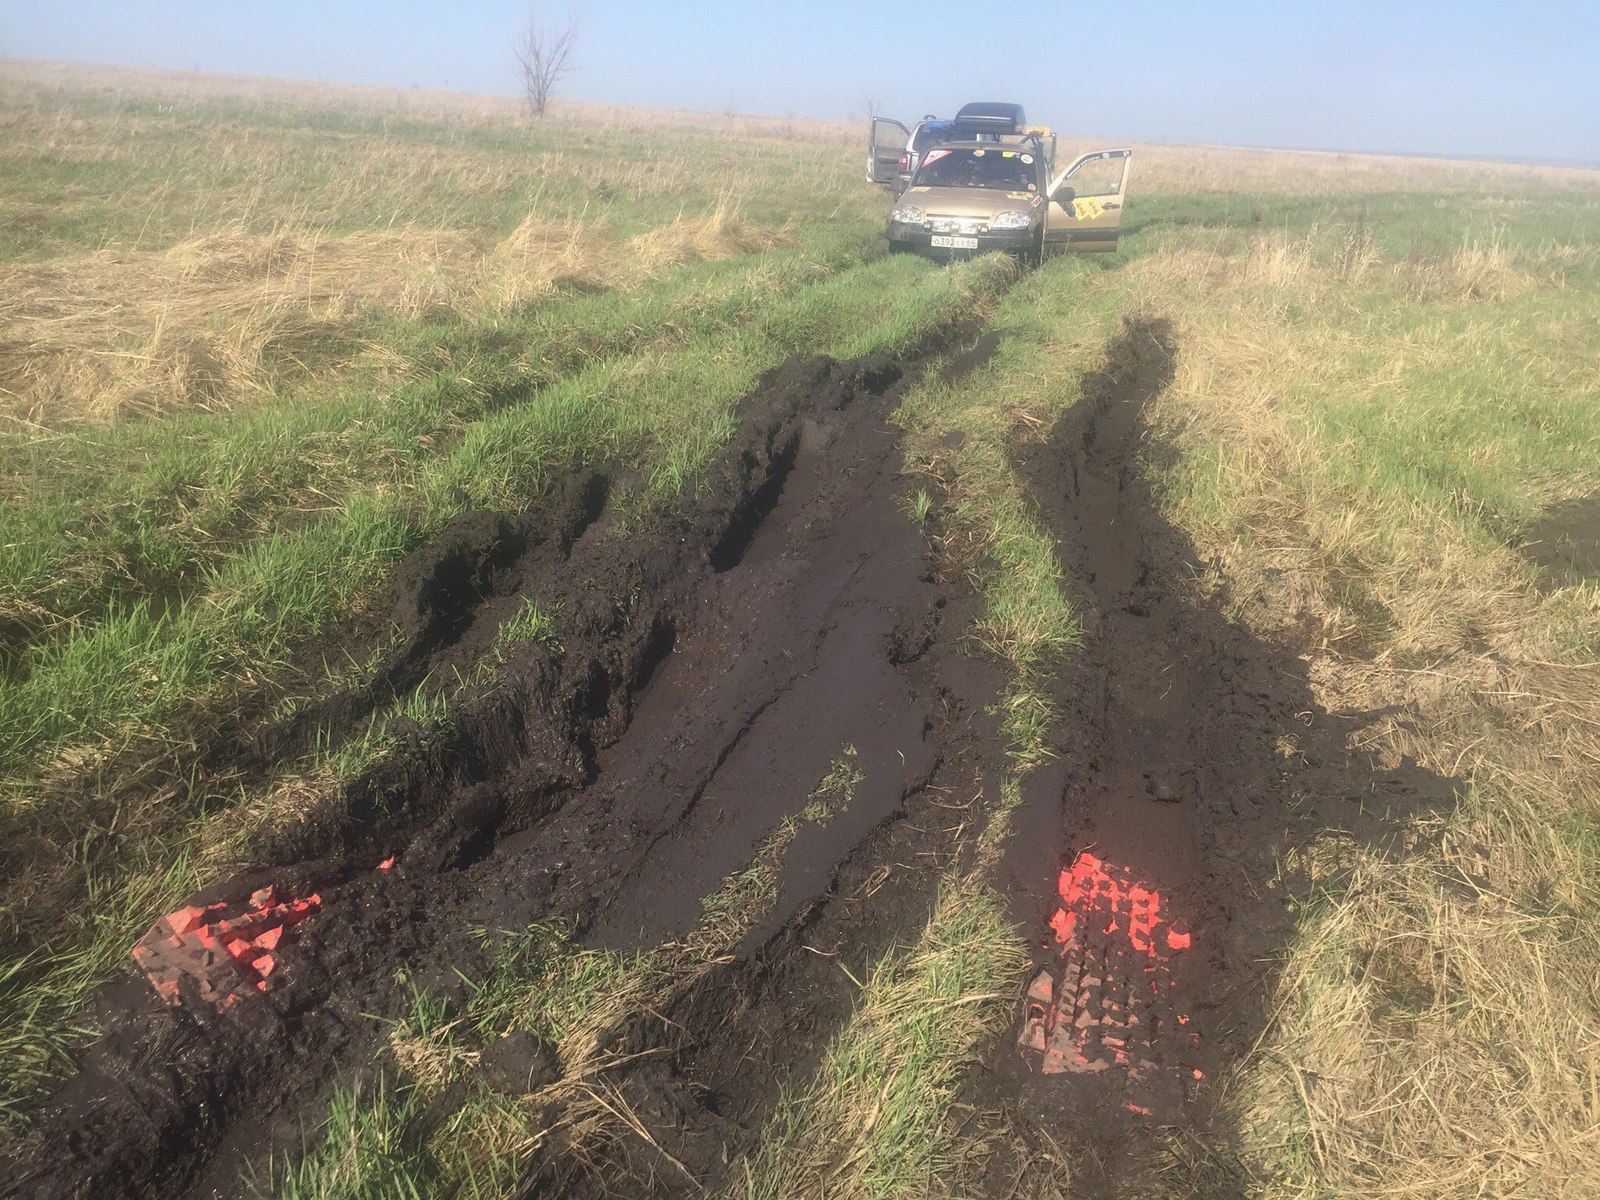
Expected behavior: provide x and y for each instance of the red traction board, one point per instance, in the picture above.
(225, 956)
(1107, 1004)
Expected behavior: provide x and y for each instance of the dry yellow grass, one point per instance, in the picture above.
(130, 330)
(219, 170)
(117, 334)
(222, 246)
(1437, 1030)
(1168, 168)
(1283, 532)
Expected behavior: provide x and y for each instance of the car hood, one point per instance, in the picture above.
(967, 202)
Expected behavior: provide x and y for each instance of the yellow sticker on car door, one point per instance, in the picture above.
(1087, 209)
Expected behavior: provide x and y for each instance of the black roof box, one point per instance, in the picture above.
(990, 117)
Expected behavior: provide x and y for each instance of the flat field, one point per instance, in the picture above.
(732, 711)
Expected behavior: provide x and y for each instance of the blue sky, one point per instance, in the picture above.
(1442, 78)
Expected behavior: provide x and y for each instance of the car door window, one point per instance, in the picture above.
(1087, 202)
(1098, 177)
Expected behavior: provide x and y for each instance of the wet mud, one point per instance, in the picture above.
(704, 672)
(1565, 543)
(1191, 757)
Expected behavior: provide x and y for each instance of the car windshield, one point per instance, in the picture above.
(983, 167)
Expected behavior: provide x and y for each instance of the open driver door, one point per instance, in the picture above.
(887, 143)
(1086, 200)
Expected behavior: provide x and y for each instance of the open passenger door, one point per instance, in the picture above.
(1086, 202)
(885, 146)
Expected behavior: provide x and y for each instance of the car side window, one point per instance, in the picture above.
(1101, 177)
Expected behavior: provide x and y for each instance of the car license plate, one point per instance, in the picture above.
(955, 243)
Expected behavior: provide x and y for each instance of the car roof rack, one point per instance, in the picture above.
(988, 118)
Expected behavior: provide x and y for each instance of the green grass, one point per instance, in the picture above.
(530, 623)
(961, 435)
(1409, 432)
(366, 1152)
(1483, 433)
(542, 983)
(1363, 452)
(1377, 394)
(42, 992)
(890, 1077)
(1444, 421)
(196, 488)
(748, 894)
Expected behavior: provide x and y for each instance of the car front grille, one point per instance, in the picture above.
(968, 225)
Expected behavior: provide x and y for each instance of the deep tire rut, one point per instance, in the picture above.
(703, 675)
(709, 668)
(1192, 757)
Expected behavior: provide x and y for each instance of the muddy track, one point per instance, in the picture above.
(832, 628)
(1192, 755)
(706, 672)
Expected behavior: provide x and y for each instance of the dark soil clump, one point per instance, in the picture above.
(1566, 543)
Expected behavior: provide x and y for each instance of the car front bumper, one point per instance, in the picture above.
(919, 239)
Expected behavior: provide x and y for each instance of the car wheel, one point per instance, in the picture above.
(1033, 255)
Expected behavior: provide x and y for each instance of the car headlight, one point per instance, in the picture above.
(1017, 219)
(908, 215)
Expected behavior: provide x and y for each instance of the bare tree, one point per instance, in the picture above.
(544, 55)
(874, 103)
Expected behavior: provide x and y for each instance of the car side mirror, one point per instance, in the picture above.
(1063, 195)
